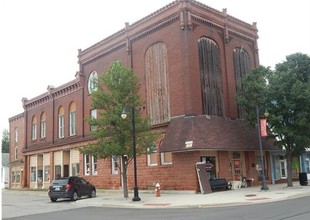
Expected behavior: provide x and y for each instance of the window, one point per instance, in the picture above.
(115, 164)
(61, 123)
(16, 135)
(15, 152)
(152, 156)
(13, 177)
(86, 164)
(72, 119)
(43, 125)
(210, 76)
(242, 66)
(57, 171)
(75, 169)
(93, 115)
(94, 165)
(283, 169)
(156, 71)
(166, 158)
(33, 174)
(34, 128)
(47, 173)
(93, 82)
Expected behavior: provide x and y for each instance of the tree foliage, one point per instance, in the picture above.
(118, 91)
(5, 144)
(285, 93)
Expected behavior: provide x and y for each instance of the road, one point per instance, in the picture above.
(19, 205)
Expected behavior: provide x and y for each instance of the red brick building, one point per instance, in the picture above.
(190, 59)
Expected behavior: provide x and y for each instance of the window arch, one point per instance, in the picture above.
(242, 66)
(92, 82)
(156, 70)
(34, 128)
(16, 135)
(43, 125)
(16, 153)
(211, 76)
(72, 119)
(61, 122)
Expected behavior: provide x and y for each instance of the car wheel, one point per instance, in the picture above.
(74, 196)
(53, 199)
(92, 194)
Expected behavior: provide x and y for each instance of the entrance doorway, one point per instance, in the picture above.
(210, 166)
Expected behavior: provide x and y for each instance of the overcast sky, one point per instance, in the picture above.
(40, 38)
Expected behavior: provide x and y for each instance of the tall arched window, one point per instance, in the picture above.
(43, 125)
(72, 119)
(211, 76)
(93, 82)
(242, 66)
(16, 135)
(156, 70)
(61, 122)
(34, 128)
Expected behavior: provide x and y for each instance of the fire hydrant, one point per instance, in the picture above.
(157, 190)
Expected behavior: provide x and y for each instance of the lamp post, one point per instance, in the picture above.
(133, 122)
(264, 185)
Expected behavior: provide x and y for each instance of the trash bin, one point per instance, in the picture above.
(303, 179)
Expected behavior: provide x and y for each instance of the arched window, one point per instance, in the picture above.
(211, 76)
(61, 122)
(16, 135)
(43, 125)
(242, 66)
(34, 128)
(16, 153)
(156, 70)
(92, 82)
(72, 119)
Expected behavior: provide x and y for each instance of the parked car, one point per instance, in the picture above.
(71, 187)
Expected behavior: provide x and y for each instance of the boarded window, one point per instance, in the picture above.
(156, 70)
(211, 77)
(242, 66)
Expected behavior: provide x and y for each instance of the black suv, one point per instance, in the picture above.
(71, 187)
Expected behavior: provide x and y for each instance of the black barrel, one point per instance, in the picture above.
(303, 179)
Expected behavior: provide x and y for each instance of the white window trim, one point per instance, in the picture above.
(162, 159)
(34, 132)
(149, 159)
(94, 171)
(285, 169)
(93, 114)
(92, 82)
(43, 129)
(72, 128)
(86, 165)
(61, 127)
(113, 167)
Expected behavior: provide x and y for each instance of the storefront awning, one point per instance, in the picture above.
(191, 133)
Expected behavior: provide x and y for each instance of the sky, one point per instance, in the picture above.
(39, 39)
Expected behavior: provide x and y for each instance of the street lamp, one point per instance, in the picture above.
(264, 185)
(133, 122)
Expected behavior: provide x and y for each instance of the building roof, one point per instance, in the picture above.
(190, 133)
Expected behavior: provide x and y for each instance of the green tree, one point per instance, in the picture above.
(5, 141)
(118, 91)
(285, 93)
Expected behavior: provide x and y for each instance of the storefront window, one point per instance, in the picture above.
(33, 174)
(47, 173)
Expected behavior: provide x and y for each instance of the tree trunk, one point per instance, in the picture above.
(124, 176)
(289, 158)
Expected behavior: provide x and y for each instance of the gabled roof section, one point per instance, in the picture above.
(192, 133)
(176, 11)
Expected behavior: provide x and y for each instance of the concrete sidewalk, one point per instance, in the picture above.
(181, 199)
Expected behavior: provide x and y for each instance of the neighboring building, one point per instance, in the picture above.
(5, 174)
(18, 163)
(190, 59)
